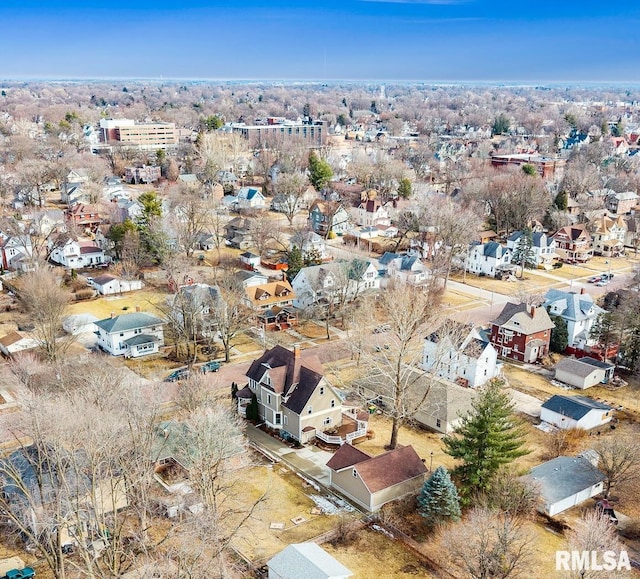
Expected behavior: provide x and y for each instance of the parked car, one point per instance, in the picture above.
(606, 510)
(602, 282)
(25, 573)
(608, 276)
(594, 279)
(210, 366)
(181, 374)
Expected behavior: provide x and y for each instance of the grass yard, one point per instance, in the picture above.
(374, 554)
(286, 498)
(311, 330)
(528, 284)
(454, 298)
(103, 307)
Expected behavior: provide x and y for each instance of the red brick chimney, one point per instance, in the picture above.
(532, 310)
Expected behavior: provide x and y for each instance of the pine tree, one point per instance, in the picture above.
(559, 335)
(234, 390)
(488, 437)
(523, 254)
(320, 172)
(438, 500)
(253, 411)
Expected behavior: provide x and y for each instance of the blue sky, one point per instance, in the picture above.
(465, 40)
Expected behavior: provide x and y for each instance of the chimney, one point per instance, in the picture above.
(296, 351)
(532, 310)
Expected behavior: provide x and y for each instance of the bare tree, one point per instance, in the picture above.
(46, 300)
(231, 316)
(619, 460)
(290, 189)
(489, 544)
(594, 533)
(190, 218)
(395, 371)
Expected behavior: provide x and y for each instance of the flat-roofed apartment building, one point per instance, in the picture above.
(311, 132)
(150, 136)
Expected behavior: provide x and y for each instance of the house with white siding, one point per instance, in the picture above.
(542, 246)
(567, 412)
(131, 335)
(486, 258)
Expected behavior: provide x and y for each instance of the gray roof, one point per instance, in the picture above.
(575, 367)
(573, 306)
(574, 407)
(564, 476)
(127, 322)
(517, 317)
(139, 339)
(493, 249)
(307, 560)
(596, 363)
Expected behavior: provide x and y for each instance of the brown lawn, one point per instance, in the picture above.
(103, 307)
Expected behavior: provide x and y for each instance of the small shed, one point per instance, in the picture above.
(249, 260)
(110, 285)
(306, 560)
(565, 482)
(15, 342)
(575, 412)
(584, 372)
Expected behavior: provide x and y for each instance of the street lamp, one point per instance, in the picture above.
(431, 462)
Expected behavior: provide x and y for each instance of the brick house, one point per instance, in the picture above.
(522, 332)
(573, 243)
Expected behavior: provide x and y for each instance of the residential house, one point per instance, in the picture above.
(16, 252)
(461, 354)
(250, 278)
(579, 311)
(250, 198)
(84, 216)
(310, 244)
(306, 560)
(109, 285)
(444, 405)
(17, 341)
(249, 260)
(144, 174)
(567, 412)
(227, 179)
(238, 233)
(547, 167)
(621, 203)
(46, 222)
(408, 269)
(328, 216)
(128, 209)
(522, 332)
(608, 235)
(584, 372)
(73, 253)
(328, 283)
(292, 393)
(487, 258)
(284, 203)
(131, 335)
(565, 482)
(543, 247)
(373, 481)
(34, 478)
(573, 244)
(267, 295)
(371, 212)
(193, 306)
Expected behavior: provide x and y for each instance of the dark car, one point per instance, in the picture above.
(210, 366)
(181, 374)
(606, 510)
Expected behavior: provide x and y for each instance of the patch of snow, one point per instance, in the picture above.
(310, 482)
(383, 531)
(332, 505)
(546, 427)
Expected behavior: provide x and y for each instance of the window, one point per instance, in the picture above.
(355, 473)
(438, 423)
(333, 403)
(321, 390)
(328, 420)
(310, 410)
(268, 398)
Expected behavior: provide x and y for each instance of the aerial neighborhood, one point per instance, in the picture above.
(262, 330)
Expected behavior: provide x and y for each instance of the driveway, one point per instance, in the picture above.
(525, 403)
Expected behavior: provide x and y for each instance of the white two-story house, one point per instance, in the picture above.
(70, 252)
(332, 282)
(131, 335)
(461, 354)
(580, 313)
(542, 246)
(292, 393)
(486, 258)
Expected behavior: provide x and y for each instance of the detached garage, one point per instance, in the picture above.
(583, 373)
(565, 482)
(575, 412)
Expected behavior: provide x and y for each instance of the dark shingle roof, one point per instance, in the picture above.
(518, 317)
(391, 468)
(574, 407)
(346, 456)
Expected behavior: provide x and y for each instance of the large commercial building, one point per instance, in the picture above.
(149, 136)
(310, 132)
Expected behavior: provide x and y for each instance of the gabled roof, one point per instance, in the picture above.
(125, 322)
(517, 317)
(308, 561)
(493, 249)
(571, 305)
(575, 407)
(270, 293)
(390, 468)
(573, 232)
(347, 455)
(307, 383)
(563, 477)
(596, 363)
(11, 338)
(575, 367)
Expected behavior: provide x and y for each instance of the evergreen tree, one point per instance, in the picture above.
(234, 390)
(559, 335)
(253, 411)
(523, 254)
(295, 262)
(500, 125)
(404, 188)
(320, 172)
(561, 201)
(438, 500)
(487, 437)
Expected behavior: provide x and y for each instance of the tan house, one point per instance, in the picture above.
(573, 244)
(293, 394)
(371, 482)
(608, 235)
(268, 295)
